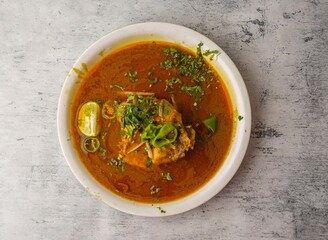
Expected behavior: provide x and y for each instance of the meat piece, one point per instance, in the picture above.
(136, 158)
(167, 113)
(140, 154)
(134, 153)
(169, 153)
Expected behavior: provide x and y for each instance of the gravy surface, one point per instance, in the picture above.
(188, 173)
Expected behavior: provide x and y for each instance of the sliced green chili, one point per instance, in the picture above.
(162, 137)
(91, 144)
(211, 123)
(150, 131)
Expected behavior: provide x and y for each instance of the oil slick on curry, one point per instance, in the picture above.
(152, 121)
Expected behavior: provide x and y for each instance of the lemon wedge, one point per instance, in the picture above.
(88, 120)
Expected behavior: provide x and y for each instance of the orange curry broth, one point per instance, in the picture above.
(188, 173)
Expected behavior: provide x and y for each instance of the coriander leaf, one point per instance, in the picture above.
(195, 91)
(208, 52)
(171, 82)
(167, 176)
(154, 190)
(199, 49)
(119, 163)
(211, 52)
(137, 113)
(149, 162)
(187, 64)
(98, 101)
(160, 209)
(117, 86)
(153, 81)
(103, 152)
(132, 76)
(167, 109)
(166, 64)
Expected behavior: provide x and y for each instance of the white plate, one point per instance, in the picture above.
(188, 38)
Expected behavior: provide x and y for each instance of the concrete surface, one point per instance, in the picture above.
(279, 192)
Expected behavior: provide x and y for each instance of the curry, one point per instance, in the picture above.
(153, 121)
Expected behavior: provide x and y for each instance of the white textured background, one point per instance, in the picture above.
(281, 189)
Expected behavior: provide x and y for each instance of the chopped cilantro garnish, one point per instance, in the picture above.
(167, 176)
(211, 52)
(166, 51)
(153, 81)
(171, 51)
(188, 65)
(208, 52)
(240, 118)
(199, 49)
(149, 162)
(129, 130)
(171, 82)
(119, 163)
(103, 135)
(132, 76)
(196, 91)
(117, 86)
(160, 209)
(166, 64)
(98, 101)
(137, 113)
(154, 190)
(130, 98)
(167, 109)
(103, 152)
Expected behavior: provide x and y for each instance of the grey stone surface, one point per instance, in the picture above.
(280, 190)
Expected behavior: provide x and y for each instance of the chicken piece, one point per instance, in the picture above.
(185, 141)
(167, 113)
(169, 154)
(136, 153)
(137, 158)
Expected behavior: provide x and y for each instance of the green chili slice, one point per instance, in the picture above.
(91, 144)
(211, 123)
(164, 136)
(160, 135)
(150, 131)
